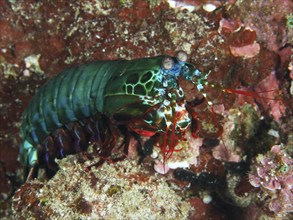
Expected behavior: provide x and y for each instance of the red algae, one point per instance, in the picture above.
(9, 33)
(275, 104)
(205, 211)
(24, 49)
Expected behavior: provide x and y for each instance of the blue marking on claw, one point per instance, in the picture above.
(197, 73)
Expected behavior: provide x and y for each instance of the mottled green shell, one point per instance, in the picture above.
(121, 90)
(133, 90)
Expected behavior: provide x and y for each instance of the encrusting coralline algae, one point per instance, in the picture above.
(121, 190)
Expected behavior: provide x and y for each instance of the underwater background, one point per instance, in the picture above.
(244, 45)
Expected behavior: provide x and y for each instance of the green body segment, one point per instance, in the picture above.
(120, 89)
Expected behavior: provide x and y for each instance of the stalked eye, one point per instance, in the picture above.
(167, 63)
(181, 56)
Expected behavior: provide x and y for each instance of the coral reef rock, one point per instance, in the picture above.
(122, 190)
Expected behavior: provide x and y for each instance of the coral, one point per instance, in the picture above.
(272, 174)
(238, 190)
(245, 132)
(122, 190)
(32, 64)
(239, 127)
(184, 158)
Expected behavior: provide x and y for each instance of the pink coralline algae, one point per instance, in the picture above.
(221, 152)
(241, 39)
(247, 51)
(277, 108)
(272, 173)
